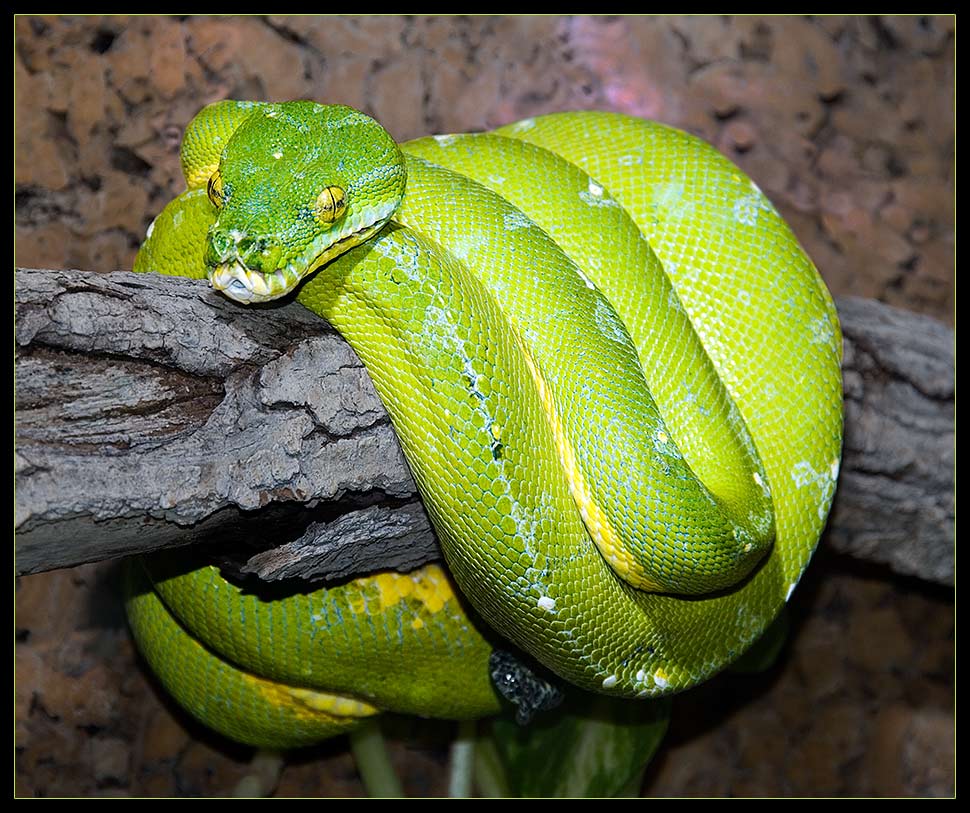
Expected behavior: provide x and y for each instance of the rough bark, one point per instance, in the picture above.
(153, 413)
(894, 503)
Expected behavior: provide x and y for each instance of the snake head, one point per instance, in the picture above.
(297, 185)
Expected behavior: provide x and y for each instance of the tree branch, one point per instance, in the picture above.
(894, 503)
(152, 413)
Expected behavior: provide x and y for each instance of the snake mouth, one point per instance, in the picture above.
(250, 287)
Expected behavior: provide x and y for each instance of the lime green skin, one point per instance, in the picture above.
(613, 371)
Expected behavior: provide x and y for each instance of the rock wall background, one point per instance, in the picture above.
(845, 122)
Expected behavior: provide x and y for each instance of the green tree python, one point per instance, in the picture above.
(612, 369)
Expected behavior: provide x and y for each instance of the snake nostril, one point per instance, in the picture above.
(221, 247)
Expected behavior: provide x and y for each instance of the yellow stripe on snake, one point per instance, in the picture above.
(612, 369)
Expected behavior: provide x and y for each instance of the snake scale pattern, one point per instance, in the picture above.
(613, 371)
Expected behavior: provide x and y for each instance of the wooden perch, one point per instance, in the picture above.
(894, 502)
(152, 412)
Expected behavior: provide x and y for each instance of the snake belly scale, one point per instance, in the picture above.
(614, 374)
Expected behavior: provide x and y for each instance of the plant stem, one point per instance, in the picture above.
(373, 763)
(462, 761)
(263, 777)
(490, 777)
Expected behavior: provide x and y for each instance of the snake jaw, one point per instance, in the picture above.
(249, 287)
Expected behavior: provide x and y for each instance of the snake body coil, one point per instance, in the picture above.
(612, 369)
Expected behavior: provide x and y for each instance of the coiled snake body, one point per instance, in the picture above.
(613, 371)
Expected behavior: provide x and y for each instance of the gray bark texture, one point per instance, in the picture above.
(152, 413)
(894, 502)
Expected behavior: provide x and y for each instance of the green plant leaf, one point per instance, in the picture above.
(590, 746)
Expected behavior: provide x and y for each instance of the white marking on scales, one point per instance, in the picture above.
(585, 279)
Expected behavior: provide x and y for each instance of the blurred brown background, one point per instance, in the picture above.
(845, 122)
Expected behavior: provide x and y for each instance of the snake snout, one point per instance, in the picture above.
(222, 246)
(258, 252)
(261, 253)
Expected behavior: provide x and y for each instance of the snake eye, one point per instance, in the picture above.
(215, 191)
(330, 204)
